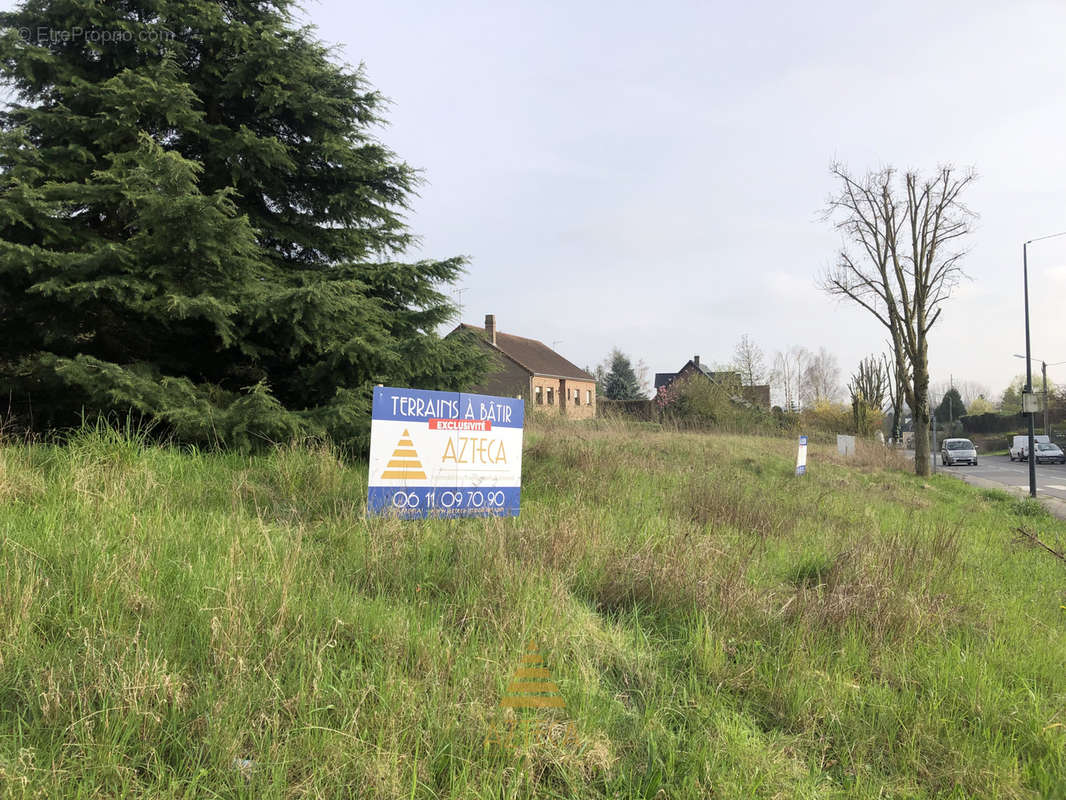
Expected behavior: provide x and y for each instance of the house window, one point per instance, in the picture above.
(539, 396)
(551, 397)
(588, 397)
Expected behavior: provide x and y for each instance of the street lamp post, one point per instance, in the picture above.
(934, 442)
(1029, 359)
(1043, 371)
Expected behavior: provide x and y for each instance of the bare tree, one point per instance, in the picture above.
(870, 382)
(643, 372)
(867, 388)
(899, 380)
(971, 390)
(787, 373)
(749, 362)
(907, 231)
(820, 379)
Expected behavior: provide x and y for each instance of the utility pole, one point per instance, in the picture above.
(934, 443)
(1028, 373)
(1043, 369)
(953, 402)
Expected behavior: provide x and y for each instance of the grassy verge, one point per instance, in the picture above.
(180, 624)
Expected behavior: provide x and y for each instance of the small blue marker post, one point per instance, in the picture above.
(801, 456)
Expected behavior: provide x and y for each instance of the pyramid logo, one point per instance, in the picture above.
(531, 685)
(404, 464)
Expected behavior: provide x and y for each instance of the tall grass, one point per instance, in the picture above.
(176, 623)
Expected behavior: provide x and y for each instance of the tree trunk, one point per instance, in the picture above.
(901, 383)
(897, 413)
(922, 464)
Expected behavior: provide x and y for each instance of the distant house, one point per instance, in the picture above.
(757, 395)
(529, 369)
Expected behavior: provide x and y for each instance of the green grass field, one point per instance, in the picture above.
(184, 624)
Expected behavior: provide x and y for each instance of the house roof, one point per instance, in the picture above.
(536, 357)
(666, 378)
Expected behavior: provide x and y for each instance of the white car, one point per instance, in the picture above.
(1048, 453)
(958, 451)
(1019, 448)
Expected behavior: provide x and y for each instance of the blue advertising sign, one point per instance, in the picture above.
(444, 454)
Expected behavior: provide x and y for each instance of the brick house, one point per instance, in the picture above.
(531, 370)
(758, 395)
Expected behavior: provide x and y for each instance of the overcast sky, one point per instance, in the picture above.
(650, 176)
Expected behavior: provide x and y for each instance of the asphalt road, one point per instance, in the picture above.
(1050, 478)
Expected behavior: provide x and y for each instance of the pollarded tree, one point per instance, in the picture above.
(197, 223)
(900, 261)
(870, 382)
(867, 388)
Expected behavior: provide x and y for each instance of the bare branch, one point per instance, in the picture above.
(906, 232)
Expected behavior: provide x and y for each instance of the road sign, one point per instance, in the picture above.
(801, 456)
(444, 454)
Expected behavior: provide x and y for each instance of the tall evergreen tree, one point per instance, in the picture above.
(621, 382)
(951, 406)
(197, 223)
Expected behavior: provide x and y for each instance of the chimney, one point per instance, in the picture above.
(696, 361)
(490, 327)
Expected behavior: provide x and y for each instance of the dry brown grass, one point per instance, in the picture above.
(710, 502)
(19, 480)
(870, 456)
(881, 584)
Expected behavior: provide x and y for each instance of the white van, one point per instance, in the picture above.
(1019, 448)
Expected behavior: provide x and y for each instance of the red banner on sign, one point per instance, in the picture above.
(460, 425)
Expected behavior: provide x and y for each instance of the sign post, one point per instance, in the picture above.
(801, 456)
(446, 454)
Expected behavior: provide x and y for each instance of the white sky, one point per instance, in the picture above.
(651, 176)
